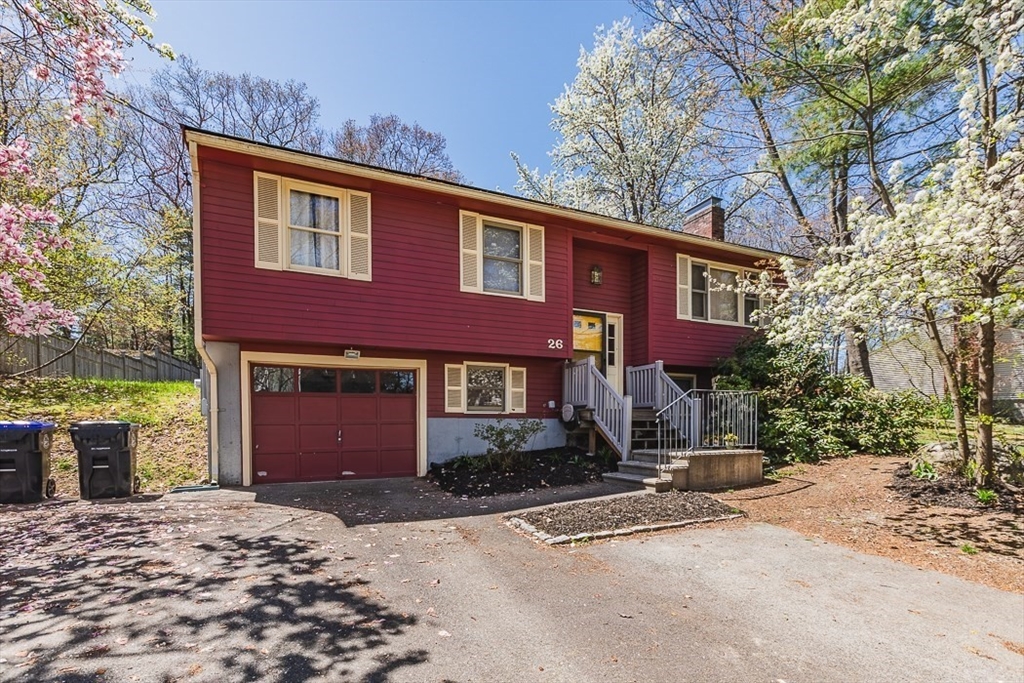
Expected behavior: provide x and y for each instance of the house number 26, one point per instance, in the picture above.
(555, 343)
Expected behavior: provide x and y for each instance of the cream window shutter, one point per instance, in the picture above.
(454, 384)
(517, 390)
(682, 286)
(471, 255)
(359, 235)
(535, 262)
(267, 194)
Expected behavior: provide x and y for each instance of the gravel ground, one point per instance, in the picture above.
(623, 512)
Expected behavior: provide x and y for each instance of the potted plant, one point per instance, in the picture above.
(731, 440)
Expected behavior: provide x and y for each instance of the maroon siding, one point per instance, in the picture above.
(543, 375)
(639, 348)
(413, 300)
(683, 342)
(414, 307)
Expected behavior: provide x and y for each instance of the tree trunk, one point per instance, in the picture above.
(949, 371)
(857, 356)
(983, 456)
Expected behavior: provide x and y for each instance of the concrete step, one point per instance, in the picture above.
(651, 455)
(643, 468)
(636, 481)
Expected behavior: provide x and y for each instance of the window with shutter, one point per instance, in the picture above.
(311, 228)
(484, 388)
(267, 192)
(499, 257)
(517, 390)
(359, 236)
(682, 286)
(453, 389)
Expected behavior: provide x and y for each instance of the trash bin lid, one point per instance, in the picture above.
(90, 423)
(26, 424)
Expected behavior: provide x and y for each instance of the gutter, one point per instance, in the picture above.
(213, 417)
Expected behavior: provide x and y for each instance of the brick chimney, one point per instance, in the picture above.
(707, 219)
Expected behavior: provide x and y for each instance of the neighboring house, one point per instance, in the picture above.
(912, 363)
(360, 322)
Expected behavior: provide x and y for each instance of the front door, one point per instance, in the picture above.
(599, 336)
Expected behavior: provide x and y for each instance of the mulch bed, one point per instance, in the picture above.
(624, 512)
(548, 468)
(951, 490)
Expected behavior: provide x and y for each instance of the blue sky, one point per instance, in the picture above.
(481, 73)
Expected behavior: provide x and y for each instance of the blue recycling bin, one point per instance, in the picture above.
(25, 462)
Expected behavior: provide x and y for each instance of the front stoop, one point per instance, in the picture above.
(698, 471)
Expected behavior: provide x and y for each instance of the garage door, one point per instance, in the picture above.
(316, 424)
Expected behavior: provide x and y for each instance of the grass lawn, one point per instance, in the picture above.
(172, 436)
(937, 429)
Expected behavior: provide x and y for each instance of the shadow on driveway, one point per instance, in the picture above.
(382, 501)
(87, 591)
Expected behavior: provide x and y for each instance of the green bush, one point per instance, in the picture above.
(506, 441)
(806, 414)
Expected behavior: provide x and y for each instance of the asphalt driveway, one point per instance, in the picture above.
(394, 581)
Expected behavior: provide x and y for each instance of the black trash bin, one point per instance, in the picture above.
(106, 458)
(25, 462)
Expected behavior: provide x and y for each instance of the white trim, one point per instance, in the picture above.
(343, 236)
(248, 358)
(691, 376)
(527, 233)
(213, 414)
(336, 165)
(465, 388)
(708, 265)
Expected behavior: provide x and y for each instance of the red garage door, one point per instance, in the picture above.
(315, 424)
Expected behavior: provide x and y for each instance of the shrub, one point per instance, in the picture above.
(506, 441)
(806, 413)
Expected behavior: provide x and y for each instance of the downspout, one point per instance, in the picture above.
(214, 409)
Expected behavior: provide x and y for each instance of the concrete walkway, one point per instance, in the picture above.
(396, 582)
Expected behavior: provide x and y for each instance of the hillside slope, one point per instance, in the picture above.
(172, 435)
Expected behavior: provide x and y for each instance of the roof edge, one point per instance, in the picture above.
(265, 150)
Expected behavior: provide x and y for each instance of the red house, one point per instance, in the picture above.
(359, 322)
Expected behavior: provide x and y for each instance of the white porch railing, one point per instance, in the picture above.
(707, 419)
(650, 386)
(585, 387)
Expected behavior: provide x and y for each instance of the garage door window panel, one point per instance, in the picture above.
(271, 379)
(359, 382)
(398, 382)
(318, 381)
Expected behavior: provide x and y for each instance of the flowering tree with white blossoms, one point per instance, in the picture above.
(630, 130)
(76, 44)
(950, 253)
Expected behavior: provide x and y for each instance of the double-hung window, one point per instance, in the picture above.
(708, 291)
(311, 228)
(501, 257)
(493, 388)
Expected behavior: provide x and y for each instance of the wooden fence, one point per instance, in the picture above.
(22, 353)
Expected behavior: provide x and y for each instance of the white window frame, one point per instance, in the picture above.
(532, 274)
(287, 185)
(680, 375)
(345, 235)
(683, 261)
(509, 397)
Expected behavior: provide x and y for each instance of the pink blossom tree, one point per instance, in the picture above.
(76, 45)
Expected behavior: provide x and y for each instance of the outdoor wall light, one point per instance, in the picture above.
(596, 275)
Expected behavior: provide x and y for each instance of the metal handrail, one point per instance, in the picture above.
(706, 418)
